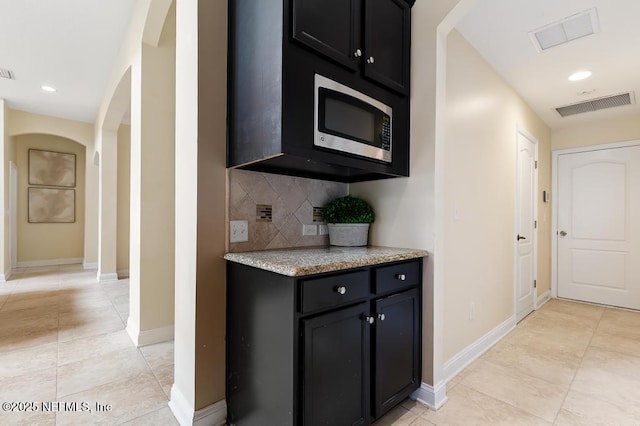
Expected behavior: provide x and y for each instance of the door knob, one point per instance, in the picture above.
(563, 234)
(371, 60)
(520, 237)
(341, 290)
(357, 53)
(381, 317)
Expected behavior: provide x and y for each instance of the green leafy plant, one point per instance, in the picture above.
(348, 210)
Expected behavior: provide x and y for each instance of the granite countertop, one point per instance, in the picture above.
(296, 262)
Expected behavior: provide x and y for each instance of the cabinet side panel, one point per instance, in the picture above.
(255, 80)
(260, 347)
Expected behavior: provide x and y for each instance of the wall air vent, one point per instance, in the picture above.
(571, 28)
(597, 104)
(4, 73)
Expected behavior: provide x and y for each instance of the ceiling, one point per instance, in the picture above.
(72, 44)
(68, 44)
(498, 29)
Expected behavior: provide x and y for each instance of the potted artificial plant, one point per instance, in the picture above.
(348, 219)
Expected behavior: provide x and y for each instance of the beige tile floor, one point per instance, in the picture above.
(62, 339)
(568, 363)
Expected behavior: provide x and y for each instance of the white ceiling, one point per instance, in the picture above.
(71, 45)
(68, 44)
(498, 29)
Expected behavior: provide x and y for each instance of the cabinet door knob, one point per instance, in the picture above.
(381, 317)
(371, 60)
(341, 290)
(369, 319)
(401, 277)
(357, 53)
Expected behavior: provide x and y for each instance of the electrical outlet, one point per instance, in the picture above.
(238, 231)
(309, 230)
(472, 311)
(323, 230)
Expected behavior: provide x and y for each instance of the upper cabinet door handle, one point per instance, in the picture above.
(357, 53)
(371, 60)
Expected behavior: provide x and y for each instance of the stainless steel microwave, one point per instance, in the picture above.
(351, 122)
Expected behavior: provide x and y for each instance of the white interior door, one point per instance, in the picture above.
(13, 211)
(525, 227)
(599, 226)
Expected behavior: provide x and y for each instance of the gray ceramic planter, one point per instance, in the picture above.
(348, 234)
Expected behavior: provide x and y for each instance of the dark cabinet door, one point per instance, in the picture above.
(332, 27)
(387, 43)
(336, 368)
(397, 349)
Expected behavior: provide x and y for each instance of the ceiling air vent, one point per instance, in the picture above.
(571, 28)
(597, 104)
(7, 74)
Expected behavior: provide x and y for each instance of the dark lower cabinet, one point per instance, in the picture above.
(396, 349)
(339, 348)
(336, 368)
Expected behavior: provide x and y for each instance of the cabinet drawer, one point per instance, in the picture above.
(394, 277)
(333, 291)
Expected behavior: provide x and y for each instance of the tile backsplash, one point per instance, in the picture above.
(292, 200)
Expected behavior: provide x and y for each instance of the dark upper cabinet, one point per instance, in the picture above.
(331, 27)
(334, 28)
(276, 48)
(387, 43)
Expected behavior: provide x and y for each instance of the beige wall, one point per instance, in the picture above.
(5, 156)
(483, 113)
(49, 241)
(596, 132)
(20, 123)
(201, 83)
(124, 154)
(405, 207)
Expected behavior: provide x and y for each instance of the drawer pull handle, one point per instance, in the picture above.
(341, 290)
(401, 277)
(369, 319)
(381, 317)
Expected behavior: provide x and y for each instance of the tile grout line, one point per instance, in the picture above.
(579, 366)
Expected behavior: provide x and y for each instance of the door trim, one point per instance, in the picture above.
(524, 132)
(555, 156)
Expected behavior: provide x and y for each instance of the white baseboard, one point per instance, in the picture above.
(124, 273)
(107, 277)
(214, 414)
(432, 397)
(472, 352)
(149, 337)
(543, 298)
(49, 262)
(90, 265)
(5, 277)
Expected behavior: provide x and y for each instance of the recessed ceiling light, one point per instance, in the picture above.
(580, 75)
(48, 88)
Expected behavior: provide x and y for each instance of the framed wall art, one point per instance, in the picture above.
(50, 168)
(52, 205)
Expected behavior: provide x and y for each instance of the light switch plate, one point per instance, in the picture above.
(309, 230)
(238, 231)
